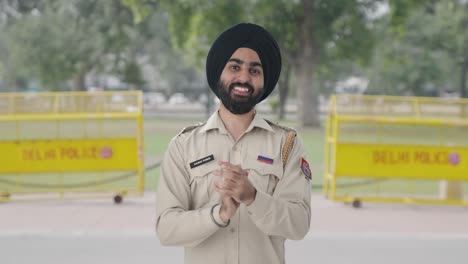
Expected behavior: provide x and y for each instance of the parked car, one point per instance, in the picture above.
(153, 99)
(178, 98)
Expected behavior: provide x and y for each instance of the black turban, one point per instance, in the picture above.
(244, 35)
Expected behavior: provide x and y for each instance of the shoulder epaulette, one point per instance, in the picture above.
(287, 129)
(190, 128)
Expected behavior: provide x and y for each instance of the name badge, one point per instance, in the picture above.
(201, 161)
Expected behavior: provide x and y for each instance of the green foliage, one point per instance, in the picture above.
(65, 39)
(132, 74)
(172, 72)
(274, 104)
(342, 27)
(194, 25)
(45, 51)
(415, 47)
(423, 55)
(140, 9)
(280, 17)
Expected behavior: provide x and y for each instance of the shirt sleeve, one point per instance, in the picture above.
(176, 225)
(286, 213)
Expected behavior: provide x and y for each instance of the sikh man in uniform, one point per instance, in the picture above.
(235, 188)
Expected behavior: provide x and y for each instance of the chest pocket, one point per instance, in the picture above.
(264, 176)
(201, 184)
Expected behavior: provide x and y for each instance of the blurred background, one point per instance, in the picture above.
(377, 47)
(360, 47)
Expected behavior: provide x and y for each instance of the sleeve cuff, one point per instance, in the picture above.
(216, 215)
(259, 207)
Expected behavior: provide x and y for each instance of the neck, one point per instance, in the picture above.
(236, 125)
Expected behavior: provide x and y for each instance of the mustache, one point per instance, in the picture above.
(243, 85)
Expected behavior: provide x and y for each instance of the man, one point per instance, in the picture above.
(225, 193)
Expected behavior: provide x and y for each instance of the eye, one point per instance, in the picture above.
(235, 67)
(255, 71)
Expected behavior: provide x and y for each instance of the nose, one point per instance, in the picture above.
(243, 76)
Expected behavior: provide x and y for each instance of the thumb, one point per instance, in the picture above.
(217, 184)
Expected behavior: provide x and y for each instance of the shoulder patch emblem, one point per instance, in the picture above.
(306, 169)
(190, 128)
(280, 126)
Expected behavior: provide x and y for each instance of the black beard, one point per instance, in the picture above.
(238, 105)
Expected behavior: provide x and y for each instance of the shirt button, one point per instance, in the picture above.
(234, 148)
(233, 230)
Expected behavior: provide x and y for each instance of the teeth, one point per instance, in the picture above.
(241, 89)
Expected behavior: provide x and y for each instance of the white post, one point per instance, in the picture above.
(451, 190)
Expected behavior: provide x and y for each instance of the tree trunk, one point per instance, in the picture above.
(308, 109)
(79, 82)
(465, 54)
(17, 83)
(463, 79)
(283, 91)
(208, 104)
(12, 82)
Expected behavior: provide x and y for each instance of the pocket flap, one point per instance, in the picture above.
(203, 170)
(262, 168)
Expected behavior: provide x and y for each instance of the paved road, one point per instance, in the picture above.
(338, 248)
(96, 231)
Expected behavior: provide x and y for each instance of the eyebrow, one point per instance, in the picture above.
(252, 64)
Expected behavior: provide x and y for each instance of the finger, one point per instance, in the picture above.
(227, 198)
(217, 184)
(235, 202)
(230, 166)
(230, 185)
(228, 174)
(223, 187)
(229, 201)
(225, 192)
(220, 185)
(231, 176)
(235, 197)
(221, 190)
(239, 172)
(221, 182)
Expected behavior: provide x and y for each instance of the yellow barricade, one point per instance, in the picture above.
(396, 149)
(71, 145)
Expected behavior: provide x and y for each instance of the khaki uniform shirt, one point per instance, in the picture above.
(256, 233)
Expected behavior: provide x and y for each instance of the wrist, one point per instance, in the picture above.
(215, 216)
(251, 199)
(223, 214)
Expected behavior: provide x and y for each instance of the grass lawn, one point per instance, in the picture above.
(158, 132)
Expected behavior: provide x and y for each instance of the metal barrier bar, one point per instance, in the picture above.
(441, 157)
(56, 146)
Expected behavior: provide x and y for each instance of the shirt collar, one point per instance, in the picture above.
(260, 123)
(215, 122)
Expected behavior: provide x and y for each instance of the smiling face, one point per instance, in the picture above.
(241, 82)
